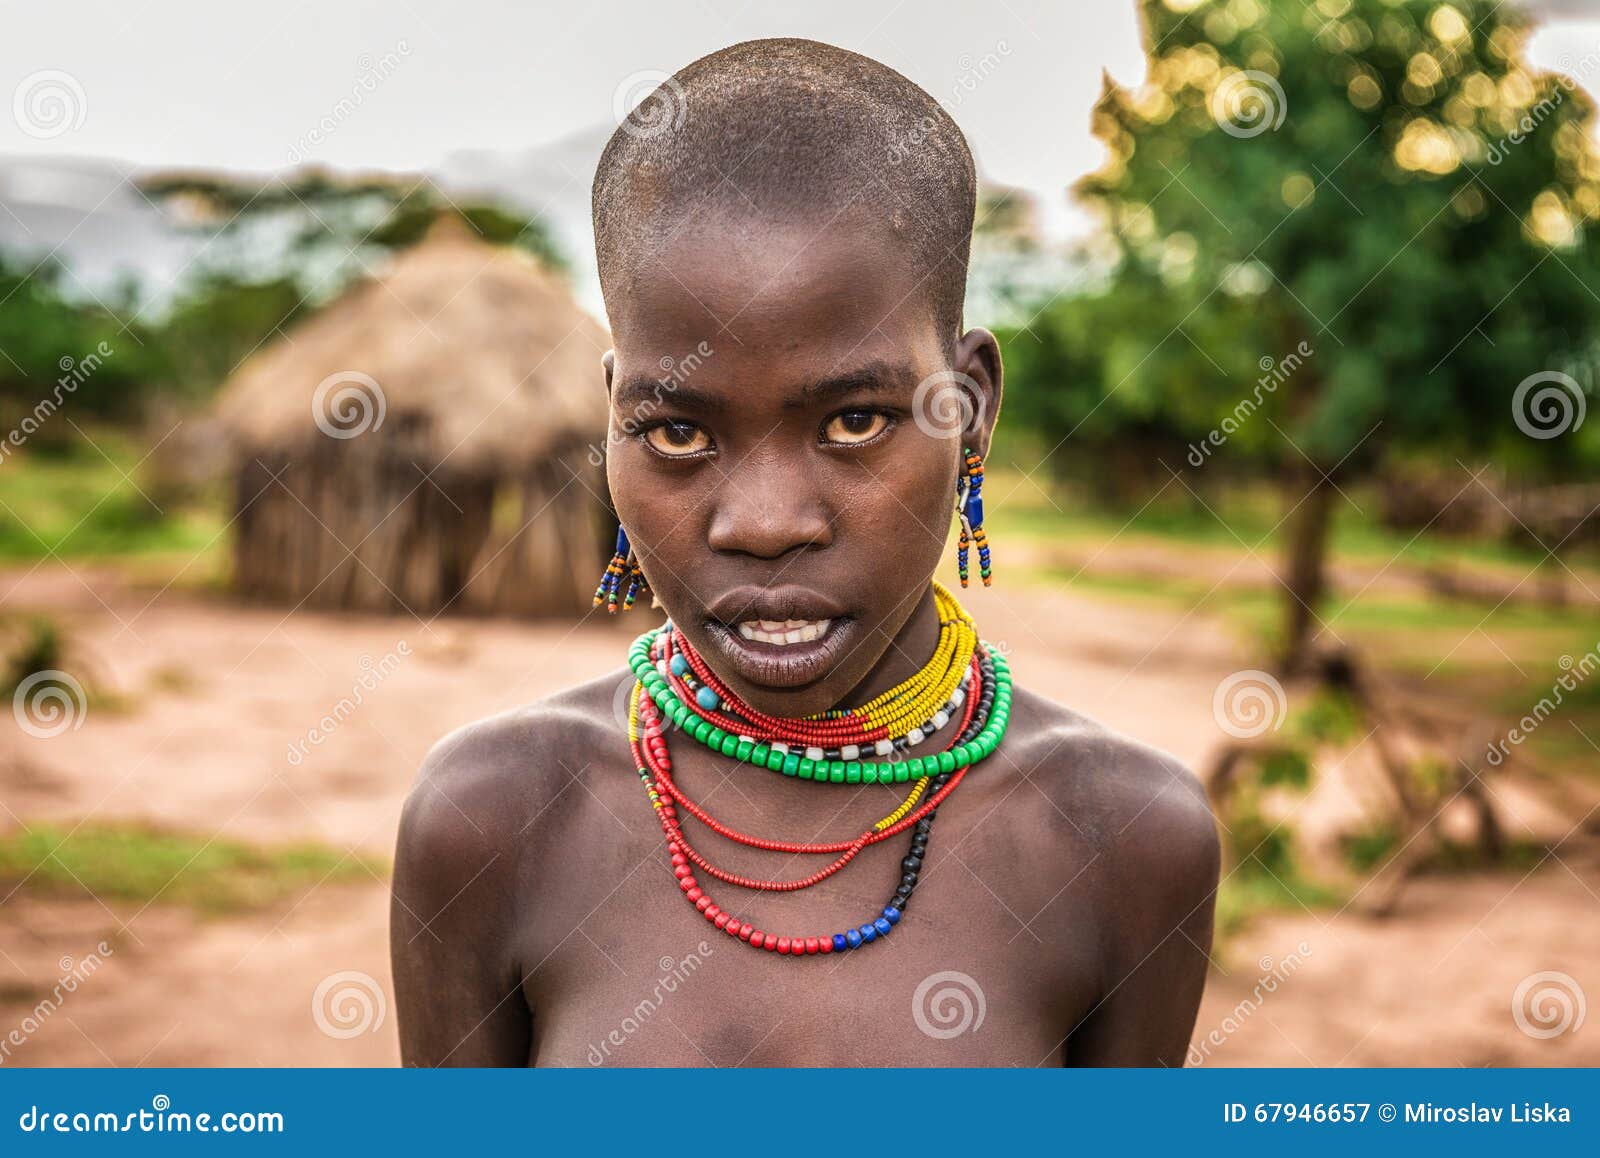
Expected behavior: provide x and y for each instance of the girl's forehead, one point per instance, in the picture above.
(776, 285)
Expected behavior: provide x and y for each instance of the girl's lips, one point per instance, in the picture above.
(806, 655)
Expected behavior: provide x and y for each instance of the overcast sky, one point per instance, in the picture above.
(161, 82)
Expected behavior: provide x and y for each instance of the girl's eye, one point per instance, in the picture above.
(677, 439)
(854, 426)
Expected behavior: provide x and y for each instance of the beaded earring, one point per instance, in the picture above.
(969, 509)
(622, 571)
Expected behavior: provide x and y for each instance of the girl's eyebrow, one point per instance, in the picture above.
(649, 394)
(873, 378)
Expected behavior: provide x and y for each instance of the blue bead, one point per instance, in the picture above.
(707, 698)
(839, 943)
(852, 938)
(892, 915)
(868, 933)
(883, 926)
(678, 665)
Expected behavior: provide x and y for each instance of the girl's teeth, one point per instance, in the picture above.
(785, 631)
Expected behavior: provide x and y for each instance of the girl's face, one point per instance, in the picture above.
(786, 436)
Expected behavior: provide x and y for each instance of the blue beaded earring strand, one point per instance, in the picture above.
(969, 509)
(624, 578)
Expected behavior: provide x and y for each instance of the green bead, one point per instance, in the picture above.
(742, 750)
(947, 762)
(807, 769)
(913, 768)
(791, 765)
(852, 772)
(774, 761)
(869, 773)
(729, 744)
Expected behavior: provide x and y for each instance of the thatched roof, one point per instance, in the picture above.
(479, 342)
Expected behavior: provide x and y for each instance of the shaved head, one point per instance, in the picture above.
(797, 131)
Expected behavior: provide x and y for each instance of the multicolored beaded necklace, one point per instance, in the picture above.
(965, 681)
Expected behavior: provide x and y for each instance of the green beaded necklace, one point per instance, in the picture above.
(761, 754)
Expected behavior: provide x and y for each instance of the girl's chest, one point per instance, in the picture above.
(974, 973)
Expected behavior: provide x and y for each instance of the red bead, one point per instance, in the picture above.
(811, 945)
(824, 944)
(702, 902)
(771, 945)
(682, 871)
(686, 883)
(722, 920)
(783, 944)
(711, 912)
(756, 937)
(732, 927)
(694, 892)
(746, 931)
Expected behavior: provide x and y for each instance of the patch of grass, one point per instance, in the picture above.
(138, 864)
(80, 503)
(1245, 895)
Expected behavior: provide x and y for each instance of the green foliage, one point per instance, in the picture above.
(120, 862)
(1286, 768)
(1388, 222)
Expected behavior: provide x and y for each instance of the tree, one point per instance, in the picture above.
(1352, 229)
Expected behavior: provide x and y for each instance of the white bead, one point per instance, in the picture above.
(940, 719)
(747, 739)
(958, 697)
(661, 666)
(813, 754)
(850, 752)
(883, 747)
(780, 749)
(915, 737)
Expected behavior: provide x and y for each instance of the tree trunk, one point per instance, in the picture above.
(1305, 578)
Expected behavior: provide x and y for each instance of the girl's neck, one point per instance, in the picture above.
(907, 652)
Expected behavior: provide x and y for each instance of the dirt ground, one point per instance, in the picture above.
(210, 729)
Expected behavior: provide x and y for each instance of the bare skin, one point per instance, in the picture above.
(1070, 877)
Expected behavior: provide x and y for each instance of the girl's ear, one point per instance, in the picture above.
(977, 358)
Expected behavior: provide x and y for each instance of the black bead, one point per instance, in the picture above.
(909, 878)
(911, 863)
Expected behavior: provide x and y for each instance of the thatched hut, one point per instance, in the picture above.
(426, 443)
